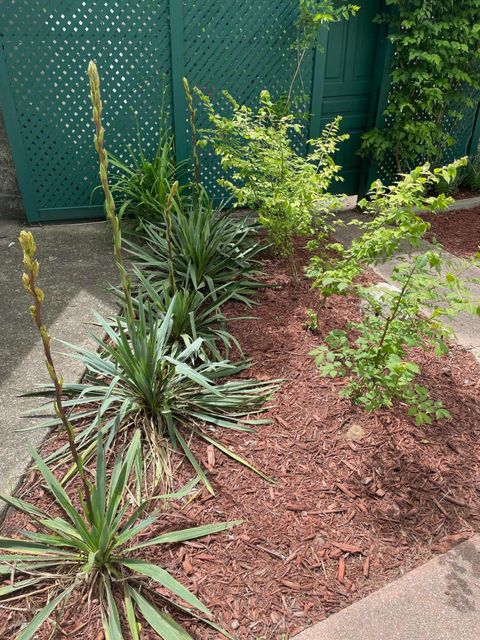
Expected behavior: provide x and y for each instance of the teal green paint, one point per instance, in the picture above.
(348, 80)
(318, 83)
(378, 103)
(385, 64)
(70, 213)
(475, 139)
(240, 46)
(20, 159)
(179, 103)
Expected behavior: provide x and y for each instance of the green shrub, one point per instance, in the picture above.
(434, 80)
(256, 148)
(373, 353)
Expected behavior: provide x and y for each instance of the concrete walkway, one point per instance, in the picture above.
(76, 263)
(438, 601)
(466, 326)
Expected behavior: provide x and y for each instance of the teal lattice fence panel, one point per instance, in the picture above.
(143, 49)
(242, 46)
(46, 48)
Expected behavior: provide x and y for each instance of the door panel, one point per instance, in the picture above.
(348, 83)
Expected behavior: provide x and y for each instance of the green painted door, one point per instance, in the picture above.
(349, 87)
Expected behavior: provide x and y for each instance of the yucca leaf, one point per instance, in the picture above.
(235, 456)
(166, 580)
(18, 585)
(31, 629)
(193, 461)
(160, 621)
(24, 507)
(173, 537)
(61, 497)
(113, 626)
(32, 548)
(133, 624)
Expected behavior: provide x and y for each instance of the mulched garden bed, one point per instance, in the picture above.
(343, 517)
(458, 231)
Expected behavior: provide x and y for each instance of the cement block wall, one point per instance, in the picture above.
(11, 205)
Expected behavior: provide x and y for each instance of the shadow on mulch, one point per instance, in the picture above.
(342, 517)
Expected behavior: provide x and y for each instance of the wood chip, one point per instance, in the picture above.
(366, 567)
(341, 569)
(348, 548)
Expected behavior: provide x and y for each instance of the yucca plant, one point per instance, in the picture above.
(194, 315)
(91, 547)
(211, 249)
(95, 553)
(143, 186)
(135, 380)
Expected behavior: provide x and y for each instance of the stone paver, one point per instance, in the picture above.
(76, 265)
(438, 601)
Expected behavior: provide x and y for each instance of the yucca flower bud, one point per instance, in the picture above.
(27, 243)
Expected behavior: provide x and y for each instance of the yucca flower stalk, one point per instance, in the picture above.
(97, 106)
(32, 269)
(168, 222)
(196, 163)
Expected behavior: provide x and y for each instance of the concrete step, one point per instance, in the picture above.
(438, 601)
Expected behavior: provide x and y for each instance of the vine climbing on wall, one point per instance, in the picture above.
(435, 79)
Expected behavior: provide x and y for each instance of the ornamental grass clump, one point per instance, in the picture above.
(89, 548)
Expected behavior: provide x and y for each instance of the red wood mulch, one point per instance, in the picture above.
(342, 518)
(458, 231)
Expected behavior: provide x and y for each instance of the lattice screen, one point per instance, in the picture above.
(47, 51)
(245, 47)
(141, 47)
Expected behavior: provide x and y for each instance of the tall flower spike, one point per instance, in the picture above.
(97, 110)
(196, 163)
(32, 269)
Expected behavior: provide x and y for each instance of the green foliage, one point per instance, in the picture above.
(373, 353)
(316, 13)
(313, 14)
(257, 148)
(92, 552)
(391, 221)
(311, 323)
(194, 315)
(471, 174)
(436, 70)
(213, 252)
(143, 187)
(136, 379)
